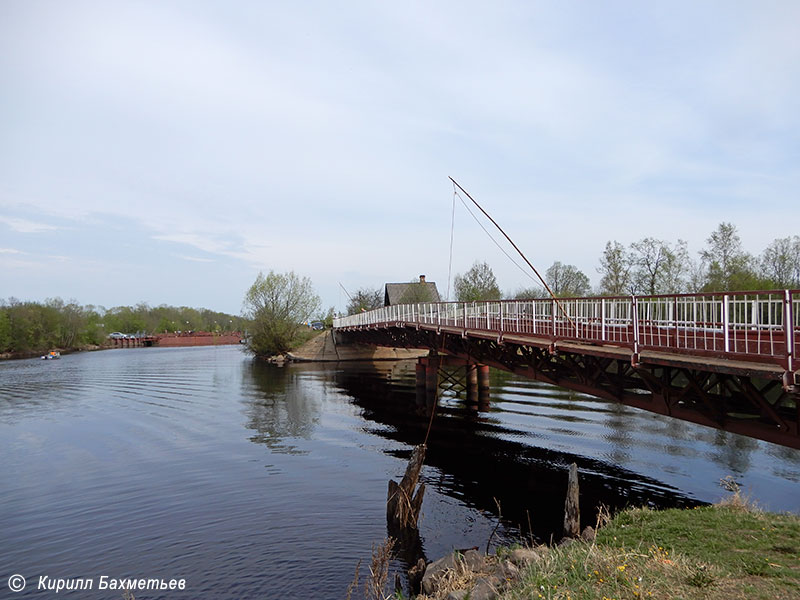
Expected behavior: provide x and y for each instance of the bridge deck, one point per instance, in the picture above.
(740, 327)
(722, 360)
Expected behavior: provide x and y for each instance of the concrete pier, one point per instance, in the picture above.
(472, 383)
(471, 380)
(483, 387)
(432, 379)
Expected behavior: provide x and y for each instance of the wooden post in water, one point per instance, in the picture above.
(402, 504)
(572, 512)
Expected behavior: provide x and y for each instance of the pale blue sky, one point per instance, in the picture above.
(167, 151)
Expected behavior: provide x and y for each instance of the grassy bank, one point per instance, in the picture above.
(725, 551)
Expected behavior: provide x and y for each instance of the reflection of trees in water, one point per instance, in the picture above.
(786, 456)
(678, 440)
(478, 460)
(278, 406)
(619, 419)
(731, 451)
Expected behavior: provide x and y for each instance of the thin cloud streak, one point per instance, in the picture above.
(26, 226)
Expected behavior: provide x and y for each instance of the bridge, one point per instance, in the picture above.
(195, 338)
(725, 360)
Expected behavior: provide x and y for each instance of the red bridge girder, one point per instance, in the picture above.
(752, 398)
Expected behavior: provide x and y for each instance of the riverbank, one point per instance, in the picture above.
(323, 347)
(723, 551)
(38, 353)
(164, 340)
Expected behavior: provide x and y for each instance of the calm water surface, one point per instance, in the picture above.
(253, 481)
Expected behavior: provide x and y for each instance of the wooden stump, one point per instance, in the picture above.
(572, 512)
(402, 504)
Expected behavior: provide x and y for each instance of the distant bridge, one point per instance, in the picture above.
(725, 360)
(196, 338)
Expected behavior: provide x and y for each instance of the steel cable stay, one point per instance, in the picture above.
(510, 241)
(452, 232)
(491, 237)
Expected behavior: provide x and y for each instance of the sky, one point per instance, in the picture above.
(167, 152)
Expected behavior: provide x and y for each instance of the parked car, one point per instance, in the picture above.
(117, 336)
(317, 326)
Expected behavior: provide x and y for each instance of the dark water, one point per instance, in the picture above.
(253, 481)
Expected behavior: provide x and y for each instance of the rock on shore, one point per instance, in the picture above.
(473, 575)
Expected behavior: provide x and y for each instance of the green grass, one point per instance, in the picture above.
(718, 552)
(304, 335)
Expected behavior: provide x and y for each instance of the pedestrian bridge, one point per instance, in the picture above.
(726, 360)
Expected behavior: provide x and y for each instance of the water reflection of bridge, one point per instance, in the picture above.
(480, 458)
(724, 360)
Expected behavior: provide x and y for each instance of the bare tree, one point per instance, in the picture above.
(615, 267)
(697, 275)
(567, 280)
(674, 274)
(780, 262)
(658, 267)
(729, 267)
(529, 293)
(364, 299)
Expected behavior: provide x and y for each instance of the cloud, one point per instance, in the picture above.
(26, 226)
(195, 258)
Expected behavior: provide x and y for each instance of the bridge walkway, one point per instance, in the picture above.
(726, 360)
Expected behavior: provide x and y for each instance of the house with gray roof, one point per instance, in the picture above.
(409, 293)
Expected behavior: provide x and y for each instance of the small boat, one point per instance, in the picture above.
(52, 355)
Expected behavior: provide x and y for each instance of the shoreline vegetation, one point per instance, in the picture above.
(728, 550)
(36, 354)
(30, 329)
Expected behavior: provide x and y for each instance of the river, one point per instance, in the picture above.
(249, 480)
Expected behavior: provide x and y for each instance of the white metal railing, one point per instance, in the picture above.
(761, 326)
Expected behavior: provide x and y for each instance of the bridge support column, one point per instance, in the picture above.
(420, 382)
(431, 380)
(472, 383)
(483, 387)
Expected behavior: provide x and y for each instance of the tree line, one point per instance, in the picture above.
(39, 326)
(645, 267)
(651, 266)
(279, 305)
